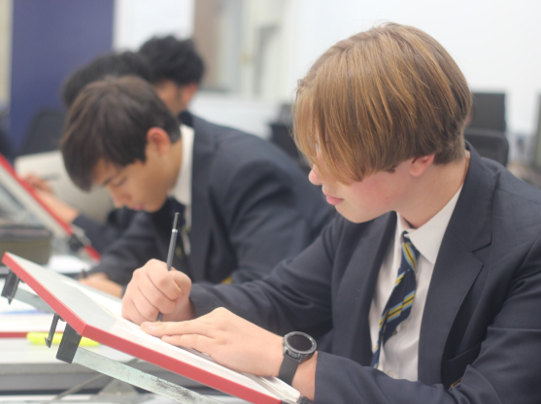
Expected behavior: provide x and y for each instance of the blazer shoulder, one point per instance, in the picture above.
(516, 205)
(512, 189)
(234, 152)
(233, 145)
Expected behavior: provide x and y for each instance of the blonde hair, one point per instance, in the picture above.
(379, 98)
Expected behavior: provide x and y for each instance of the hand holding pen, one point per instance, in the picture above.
(171, 253)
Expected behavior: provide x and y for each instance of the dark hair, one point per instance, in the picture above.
(111, 64)
(173, 59)
(109, 121)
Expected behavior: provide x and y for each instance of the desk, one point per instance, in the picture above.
(25, 367)
(153, 399)
(33, 369)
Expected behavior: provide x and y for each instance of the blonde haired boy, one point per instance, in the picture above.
(426, 222)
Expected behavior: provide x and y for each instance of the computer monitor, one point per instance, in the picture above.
(488, 111)
(536, 162)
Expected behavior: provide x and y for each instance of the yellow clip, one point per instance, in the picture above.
(455, 383)
(227, 280)
(38, 338)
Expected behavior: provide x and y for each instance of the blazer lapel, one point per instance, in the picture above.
(456, 267)
(360, 280)
(200, 232)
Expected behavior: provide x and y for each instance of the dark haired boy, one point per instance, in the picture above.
(245, 205)
(101, 235)
(177, 70)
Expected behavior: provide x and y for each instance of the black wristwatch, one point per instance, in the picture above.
(298, 346)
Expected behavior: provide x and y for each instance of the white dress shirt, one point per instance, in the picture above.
(400, 354)
(182, 191)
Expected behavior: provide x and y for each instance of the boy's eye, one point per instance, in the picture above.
(119, 183)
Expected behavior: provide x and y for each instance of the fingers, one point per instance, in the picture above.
(163, 282)
(37, 183)
(145, 308)
(164, 301)
(132, 313)
(101, 282)
(194, 334)
(159, 329)
(201, 343)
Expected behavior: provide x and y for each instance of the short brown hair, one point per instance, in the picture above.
(109, 120)
(379, 98)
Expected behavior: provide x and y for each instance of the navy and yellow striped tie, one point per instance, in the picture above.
(398, 306)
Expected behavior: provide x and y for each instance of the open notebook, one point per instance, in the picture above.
(96, 203)
(94, 316)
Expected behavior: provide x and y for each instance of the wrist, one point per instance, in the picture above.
(298, 347)
(66, 212)
(305, 377)
(278, 356)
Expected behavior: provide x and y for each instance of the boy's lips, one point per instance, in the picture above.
(332, 200)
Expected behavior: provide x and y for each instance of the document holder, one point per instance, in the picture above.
(90, 315)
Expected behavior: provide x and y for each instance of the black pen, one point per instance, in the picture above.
(171, 253)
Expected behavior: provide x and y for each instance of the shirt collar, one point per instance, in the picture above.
(427, 238)
(182, 191)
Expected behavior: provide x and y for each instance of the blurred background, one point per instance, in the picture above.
(256, 50)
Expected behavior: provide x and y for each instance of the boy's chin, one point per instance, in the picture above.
(154, 206)
(357, 217)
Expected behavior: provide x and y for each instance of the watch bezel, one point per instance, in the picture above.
(302, 354)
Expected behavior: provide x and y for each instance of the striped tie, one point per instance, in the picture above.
(398, 306)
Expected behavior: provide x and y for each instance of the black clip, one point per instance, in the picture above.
(10, 287)
(49, 339)
(74, 243)
(78, 239)
(68, 345)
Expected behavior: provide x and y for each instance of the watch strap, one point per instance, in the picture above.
(288, 369)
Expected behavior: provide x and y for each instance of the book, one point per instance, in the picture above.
(18, 319)
(94, 316)
(30, 201)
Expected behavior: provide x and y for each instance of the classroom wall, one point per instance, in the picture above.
(136, 21)
(5, 50)
(497, 44)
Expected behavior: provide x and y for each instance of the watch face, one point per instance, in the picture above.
(300, 342)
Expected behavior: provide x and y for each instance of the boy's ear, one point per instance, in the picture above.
(158, 139)
(187, 92)
(420, 164)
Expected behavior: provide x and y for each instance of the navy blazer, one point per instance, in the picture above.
(251, 208)
(102, 235)
(480, 339)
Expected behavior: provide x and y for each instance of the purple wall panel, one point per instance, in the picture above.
(50, 39)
